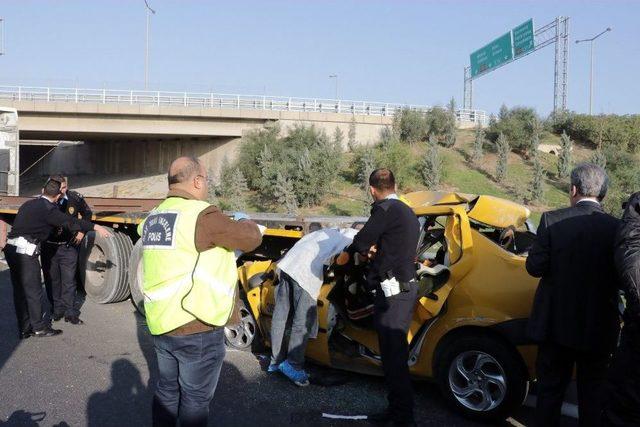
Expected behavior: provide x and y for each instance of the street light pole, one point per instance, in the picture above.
(335, 76)
(146, 47)
(591, 40)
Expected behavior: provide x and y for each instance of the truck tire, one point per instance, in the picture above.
(135, 277)
(104, 267)
(480, 376)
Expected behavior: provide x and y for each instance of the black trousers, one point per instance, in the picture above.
(622, 391)
(59, 265)
(392, 318)
(27, 289)
(554, 367)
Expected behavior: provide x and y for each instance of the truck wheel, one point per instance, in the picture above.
(135, 277)
(480, 376)
(104, 267)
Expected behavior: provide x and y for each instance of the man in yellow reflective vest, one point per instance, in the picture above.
(190, 281)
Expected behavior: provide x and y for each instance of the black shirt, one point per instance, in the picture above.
(74, 205)
(394, 229)
(37, 218)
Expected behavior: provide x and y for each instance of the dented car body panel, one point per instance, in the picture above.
(488, 290)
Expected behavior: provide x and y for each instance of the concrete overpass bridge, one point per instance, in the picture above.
(127, 132)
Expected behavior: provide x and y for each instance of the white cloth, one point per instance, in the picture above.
(305, 261)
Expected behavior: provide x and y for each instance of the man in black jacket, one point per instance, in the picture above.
(574, 317)
(622, 393)
(60, 256)
(35, 221)
(390, 240)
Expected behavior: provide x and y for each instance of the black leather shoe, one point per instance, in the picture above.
(25, 335)
(75, 320)
(47, 332)
(57, 317)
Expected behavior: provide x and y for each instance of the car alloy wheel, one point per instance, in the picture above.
(477, 381)
(241, 334)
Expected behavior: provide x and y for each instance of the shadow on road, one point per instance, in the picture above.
(124, 403)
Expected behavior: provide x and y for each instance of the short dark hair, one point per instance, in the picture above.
(59, 177)
(52, 187)
(382, 179)
(190, 168)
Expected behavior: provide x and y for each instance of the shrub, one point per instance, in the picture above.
(306, 157)
(431, 169)
(410, 125)
(478, 145)
(252, 145)
(537, 181)
(234, 189)
(439, 121)
(285, 194)
(536, 129)
(398, 157)
(564, 157)
(515, 125)
(503, 158)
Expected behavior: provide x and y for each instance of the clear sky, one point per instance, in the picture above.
(391, 51)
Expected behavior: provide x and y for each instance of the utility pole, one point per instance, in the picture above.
(591, 40)
(1, 36)
(146, 46)
(335, 76)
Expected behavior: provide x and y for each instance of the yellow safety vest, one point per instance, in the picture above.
(180, 284)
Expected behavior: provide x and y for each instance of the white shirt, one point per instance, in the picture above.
(305, 261)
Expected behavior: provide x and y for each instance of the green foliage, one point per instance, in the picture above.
(535, 128)
(537, 181)
(285, 194)
(252, 145)
(365, 166)
(233, 187)
(212, 197)
(599, 158)
(624, 177)
(450, 135)
(564, 157)
(622, 132)
(439, 121)
(351, 135)
(387, 137)
(306, 157)
(503, 157)
(397, 157)
(515, 125)
(410, 125)
(478, 145)
(431, 169)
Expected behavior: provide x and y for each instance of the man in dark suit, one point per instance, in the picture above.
(574, 318)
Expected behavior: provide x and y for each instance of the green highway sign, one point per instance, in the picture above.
(523, 38)
(492, 55)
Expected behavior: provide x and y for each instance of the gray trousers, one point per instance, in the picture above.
(295, 304)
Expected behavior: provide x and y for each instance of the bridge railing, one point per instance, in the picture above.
(219, 101)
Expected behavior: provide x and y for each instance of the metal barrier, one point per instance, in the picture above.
(219, 101)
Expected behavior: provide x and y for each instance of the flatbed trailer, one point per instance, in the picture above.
(110, 269)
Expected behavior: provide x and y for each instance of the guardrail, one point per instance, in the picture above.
(219, 101)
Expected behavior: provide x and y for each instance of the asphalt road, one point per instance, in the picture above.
(102, 374)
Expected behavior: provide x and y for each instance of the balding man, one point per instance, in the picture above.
(189, 285)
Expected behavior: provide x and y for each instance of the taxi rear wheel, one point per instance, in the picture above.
(481, 377)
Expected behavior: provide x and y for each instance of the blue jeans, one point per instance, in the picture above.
(189, 368)
(292, 302)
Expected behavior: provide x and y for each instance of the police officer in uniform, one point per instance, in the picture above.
(60, 257)
(389, 239)
(35, 221)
